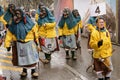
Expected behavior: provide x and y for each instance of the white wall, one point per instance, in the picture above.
(82, 6)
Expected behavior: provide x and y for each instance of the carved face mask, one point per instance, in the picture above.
(65, 13)
(12, 8)
(40, 5)
(43, 13)
(76, 13)
(17, 17)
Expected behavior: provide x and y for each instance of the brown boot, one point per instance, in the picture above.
(46, 61)
(67, 54)
(34, 74)
(47, 58)
(107, 78)
(100, 79)
(74, 57)
(24, 73)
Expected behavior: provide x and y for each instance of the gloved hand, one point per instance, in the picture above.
(81, 30)
(8, 48)
(59, 37)
(100, 43)
(7, 25)
(5, 32)
(36, 42)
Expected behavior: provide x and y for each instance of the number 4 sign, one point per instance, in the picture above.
(98, 9)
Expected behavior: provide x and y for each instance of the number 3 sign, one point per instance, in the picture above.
(98, 9)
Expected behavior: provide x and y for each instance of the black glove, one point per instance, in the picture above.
(36, 42)
(8, 48)
(100, 43)
(59, 37)
(5, 32)
(81, 30)
(7, 25)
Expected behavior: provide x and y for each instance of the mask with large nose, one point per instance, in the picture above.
(66, 13)
(18, 16)
(43, 13)
(75, 13)
(11, 8)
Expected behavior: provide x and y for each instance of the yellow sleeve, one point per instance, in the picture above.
(107, 41)
(8, 39)
(80, 24)
(60, 32)
(2, 19)
(93, 42)
(35, 31)
(50, 25)
(36, 17)
(76, 29)
(90, 27)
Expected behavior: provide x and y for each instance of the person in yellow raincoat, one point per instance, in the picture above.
(2, 26)
(1, 15)
(79, 26)
(91, 24)
(38, 11)
(67, 28)
(47, 33)
(9, 15)
(101, 43)
(22, 36)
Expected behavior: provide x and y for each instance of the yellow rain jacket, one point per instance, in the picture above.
(66, 31)
(47, 31)
(79, 25)
(90, 27)
(103, 51)
(2, 20)
(30, 36)
(36, 17)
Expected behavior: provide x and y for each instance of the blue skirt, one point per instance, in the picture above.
(48, 45)
(27, 53)
(69, 41)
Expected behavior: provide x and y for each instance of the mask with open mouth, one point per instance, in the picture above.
(11, 8)
(43, 13)
(66, 13)
(18, 16)
(75, 13)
